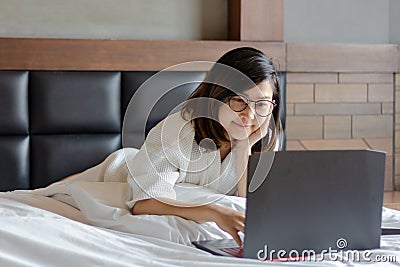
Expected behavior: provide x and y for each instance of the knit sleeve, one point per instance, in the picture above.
(155, 169)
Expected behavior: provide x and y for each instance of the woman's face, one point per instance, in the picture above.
(240, 125)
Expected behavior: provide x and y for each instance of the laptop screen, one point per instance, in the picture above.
(313, 200)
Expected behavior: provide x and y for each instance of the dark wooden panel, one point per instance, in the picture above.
(256, 20)
(82, 54)
(234, 20)
(262, 20)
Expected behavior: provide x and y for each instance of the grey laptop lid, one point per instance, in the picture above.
(317, 200)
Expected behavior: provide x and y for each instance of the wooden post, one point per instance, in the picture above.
(255, 20)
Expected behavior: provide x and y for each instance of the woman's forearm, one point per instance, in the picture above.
(199, 214)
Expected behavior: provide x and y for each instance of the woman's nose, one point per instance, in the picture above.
(249, 112)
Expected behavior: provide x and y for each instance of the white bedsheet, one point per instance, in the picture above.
(101, 193)
(35, 237)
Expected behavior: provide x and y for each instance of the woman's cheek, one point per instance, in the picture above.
(226, 115)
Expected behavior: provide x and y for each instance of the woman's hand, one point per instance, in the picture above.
(230, 221)
(243, 150)
(254, 137)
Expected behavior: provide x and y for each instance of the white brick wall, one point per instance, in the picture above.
(372, 126)
(380, 92)
(304, 127)
(339, 93)
(344, 111)
(337, 127)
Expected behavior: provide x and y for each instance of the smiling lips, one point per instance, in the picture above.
(246, 126)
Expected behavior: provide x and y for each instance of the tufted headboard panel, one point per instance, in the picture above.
(57, 123)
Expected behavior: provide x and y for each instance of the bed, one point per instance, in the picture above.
(63, 113)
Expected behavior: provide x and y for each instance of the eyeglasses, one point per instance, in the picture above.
(263, 108)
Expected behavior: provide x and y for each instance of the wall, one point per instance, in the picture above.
(342, 21)
(394, 21)
(332, 105)
(305, 21)
(121, 19)
(341, 111)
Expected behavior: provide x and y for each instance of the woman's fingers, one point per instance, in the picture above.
(230, 221)
(239, 227)
(236, 237)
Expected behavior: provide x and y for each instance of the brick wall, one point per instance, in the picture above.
(342, 110)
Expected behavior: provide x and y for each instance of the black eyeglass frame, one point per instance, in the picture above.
(254, 101)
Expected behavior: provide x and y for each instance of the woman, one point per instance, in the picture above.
(228, 117)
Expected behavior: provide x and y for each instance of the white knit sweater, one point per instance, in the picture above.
(171, 157)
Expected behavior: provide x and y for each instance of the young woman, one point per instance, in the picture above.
(230, 115)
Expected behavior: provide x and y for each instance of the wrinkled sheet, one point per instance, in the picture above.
(111, 214)
(101, 194)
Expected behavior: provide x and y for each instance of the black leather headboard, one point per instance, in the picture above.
(57, 123)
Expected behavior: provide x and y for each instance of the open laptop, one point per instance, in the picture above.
(309, 200)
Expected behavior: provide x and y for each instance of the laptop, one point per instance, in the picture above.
(309, 200)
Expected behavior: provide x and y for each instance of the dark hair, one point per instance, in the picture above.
(236, 71)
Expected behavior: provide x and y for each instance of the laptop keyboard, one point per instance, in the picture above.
(236, 252)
